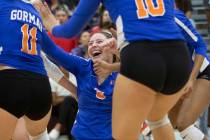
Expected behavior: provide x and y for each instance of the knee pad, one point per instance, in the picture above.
(192, 133)
(159, 123)
(42, 136)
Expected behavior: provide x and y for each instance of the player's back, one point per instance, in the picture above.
(20, 36)
(144, 19)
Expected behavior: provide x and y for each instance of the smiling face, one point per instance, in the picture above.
(95, 51)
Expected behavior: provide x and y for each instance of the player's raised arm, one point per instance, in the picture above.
(57, 75)
(70, 62)
(49, 19)
(83, 13)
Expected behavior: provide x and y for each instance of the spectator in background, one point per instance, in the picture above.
(70, 3)
(207, 10)
(61, 15)
(186, 7)
(105, 23)
(81, 50)
(55, 4)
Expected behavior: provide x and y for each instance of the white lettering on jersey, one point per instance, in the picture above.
(25, 16)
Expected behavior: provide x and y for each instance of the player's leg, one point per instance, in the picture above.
(39, 112)
(173, 89)
(142, 70)
(158, 120)
(130, 108)
(154, 68)
(13, 100)
(199, 101)
(7, 124)
(192, 108)
(38, 129)
(20, 131)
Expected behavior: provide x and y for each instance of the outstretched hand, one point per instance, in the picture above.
(101, 67)
(110, 46)
(188, 88)
(48, 18)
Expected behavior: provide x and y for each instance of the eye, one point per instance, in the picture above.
(90, 43)
(99, 41)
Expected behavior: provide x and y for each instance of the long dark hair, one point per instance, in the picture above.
(184, 5)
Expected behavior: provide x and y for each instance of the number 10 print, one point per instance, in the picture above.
(144, 9)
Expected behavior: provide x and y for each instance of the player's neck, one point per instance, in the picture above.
(101, 79)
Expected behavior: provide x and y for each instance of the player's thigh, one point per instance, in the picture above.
(142, 76)
(39, 112)
(13, 100)
(7, 124)
(163, 103)
(193, 107)
(34, 128)
(20, 131)
(132, 102)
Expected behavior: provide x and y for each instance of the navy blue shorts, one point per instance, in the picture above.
(25, 93)
(205, 74)
(164, 66)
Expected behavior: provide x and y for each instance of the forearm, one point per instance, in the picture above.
(198, 61)
(64, 82)
(83, 13)
(66, 60)
(52, 70)
(114, 67)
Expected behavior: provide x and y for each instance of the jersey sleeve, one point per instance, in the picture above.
(72, 63)
(192, 37)
(83, 13)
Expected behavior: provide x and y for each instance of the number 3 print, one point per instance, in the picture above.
(148, 8)
(32, 33)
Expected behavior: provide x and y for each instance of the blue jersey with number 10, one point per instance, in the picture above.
(135, 19)
(20, 36)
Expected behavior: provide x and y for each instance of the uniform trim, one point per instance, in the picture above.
(190, 33)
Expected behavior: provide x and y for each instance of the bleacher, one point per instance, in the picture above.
(200, 19)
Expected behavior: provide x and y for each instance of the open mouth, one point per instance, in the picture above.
(96, 53)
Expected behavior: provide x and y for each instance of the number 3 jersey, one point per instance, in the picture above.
(20, 36)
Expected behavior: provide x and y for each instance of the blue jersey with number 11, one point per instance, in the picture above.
(20, 36)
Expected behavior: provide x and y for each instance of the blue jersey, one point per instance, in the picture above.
(194, 40)
(135, 19)
(93, 121)
(20, 36)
